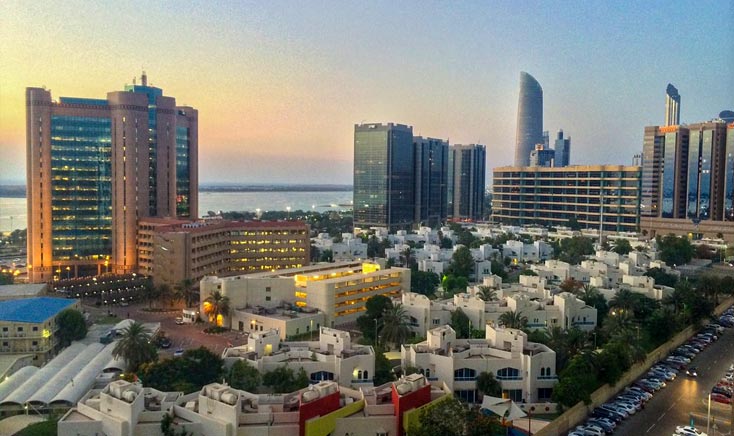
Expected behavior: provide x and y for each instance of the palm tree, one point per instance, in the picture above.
(135, 346)
(487, 294)
(215, 305)
(395, 329)
(588, 293)
(185, 292)
(624, 300)
(513, 320)
(678, 297)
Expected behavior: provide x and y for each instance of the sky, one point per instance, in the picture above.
(279, 85)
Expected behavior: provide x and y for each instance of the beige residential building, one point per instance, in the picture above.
(171, 250)
(28, 326)
(338, 290)
(553, 196)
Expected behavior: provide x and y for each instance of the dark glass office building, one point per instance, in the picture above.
(529, 119)
(431, 180)
(467, 167)
(384, 176)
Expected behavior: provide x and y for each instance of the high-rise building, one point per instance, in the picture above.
(384, 176)
(542, 157)
(688, 179)
(637, 160)
(563, 150)
(95, 166)
(467, 166)
(431, 179)
(529, 119)
(672, 106)
(589, 194)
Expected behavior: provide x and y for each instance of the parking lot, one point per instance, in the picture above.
(184, 336)
(684, 401)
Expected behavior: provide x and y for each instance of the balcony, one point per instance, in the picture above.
(508, 377)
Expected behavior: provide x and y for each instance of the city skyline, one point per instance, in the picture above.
(281, 100)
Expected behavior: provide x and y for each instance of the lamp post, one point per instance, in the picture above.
(288, 209)
(311, 330)
(376, 341)
(708, 414)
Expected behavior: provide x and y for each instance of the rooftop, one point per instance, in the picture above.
(34, 310)
(8, 292)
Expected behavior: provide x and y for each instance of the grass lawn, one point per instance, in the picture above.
(45, 428)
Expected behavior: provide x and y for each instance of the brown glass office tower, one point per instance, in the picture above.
(96, 166)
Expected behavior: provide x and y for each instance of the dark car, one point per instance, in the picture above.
(163, 342)
(692, 372)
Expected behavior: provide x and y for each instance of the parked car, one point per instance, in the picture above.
(720, 398)
(179, 320)
(688, 431)
(178, 353)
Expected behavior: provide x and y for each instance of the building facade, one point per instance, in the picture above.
(95, 166)
(467, 167)
(542, 157)
(553, 196)
(529, 119)
(688, 179)
(173, 250)
(339, 290)
(431, 180)
(384, 176)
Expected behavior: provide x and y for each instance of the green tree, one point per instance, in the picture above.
(675, 250)
(592, 297)
(612, 362)
(462, 263)
(135, 346)
(424, 282)
(369, 323)
(447, 418)
(454, 284)
(395, 329)
(461, 324)
(622, 246)
(573, 250)
(383, 370)
(243, 376)
(487, 294)
(284, 380)
(513, 320)
(72, 326)
(446, 243)
(185, 292)
(488, 385)
(577, 381)
(216, 304)
(661, 325)
(189, 373)
(326, 256)
(661, 277)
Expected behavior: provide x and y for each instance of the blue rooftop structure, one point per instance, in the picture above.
(33, 310)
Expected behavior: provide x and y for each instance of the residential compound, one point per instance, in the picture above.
(95, 166)
(337, 292)
(126, 409)
(332, 357)
(553, 196)
(526, 370)
(688, 179)
(173, 250)
(401, 180)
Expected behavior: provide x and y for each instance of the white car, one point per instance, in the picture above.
(688, 431)
(590, 430)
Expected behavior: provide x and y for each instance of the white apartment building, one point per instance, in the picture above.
(332, 357)
(338, 290)
(126, 409)
(350, 248)
(563, 310)
(521, 252)
(526, 370)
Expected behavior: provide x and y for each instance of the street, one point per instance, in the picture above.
(686, 398)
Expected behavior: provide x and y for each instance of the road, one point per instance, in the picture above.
(685, 398)
(182, 336)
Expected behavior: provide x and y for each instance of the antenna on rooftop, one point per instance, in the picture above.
(144, 79)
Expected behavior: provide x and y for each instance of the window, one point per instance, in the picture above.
(464, 374)
(267, 288)
(508, 374)
(35, 328)
(267, 298)
(6, 344)
(20, 329)
(35, 343)
(365, 375)
(5, 329)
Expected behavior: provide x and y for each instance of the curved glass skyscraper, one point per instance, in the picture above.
(529, 119)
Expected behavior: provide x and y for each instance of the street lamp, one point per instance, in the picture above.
(708, 414)
(288, 209)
